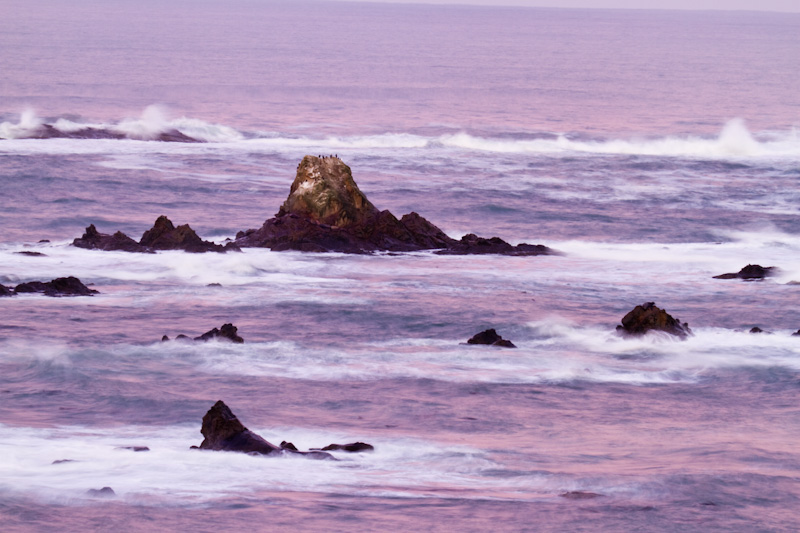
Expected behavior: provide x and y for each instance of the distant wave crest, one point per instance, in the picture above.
(734, 140)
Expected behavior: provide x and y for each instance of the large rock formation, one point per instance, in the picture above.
(648, 317)
(162, 236)
(222, 431)
(327, 212)
(750, 272)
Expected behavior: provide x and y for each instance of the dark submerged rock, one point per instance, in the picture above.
(796, 333)
(756, 329)
(327, 212)
(69, 286)
(227, 331)
(647, 317)
(5, 291)
(133, 448)
(105, 492)
(580, 495)
(750, 272)
(30, 253)
(353, 447)
(222, 431)
(490, 337)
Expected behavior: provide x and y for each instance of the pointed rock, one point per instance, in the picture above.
(750, 272)
(94, 240)
(490, 337)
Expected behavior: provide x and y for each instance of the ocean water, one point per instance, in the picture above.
(652, 149)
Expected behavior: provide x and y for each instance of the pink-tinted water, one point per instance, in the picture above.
(456, 113)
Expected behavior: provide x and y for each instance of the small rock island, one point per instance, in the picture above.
(327, 212)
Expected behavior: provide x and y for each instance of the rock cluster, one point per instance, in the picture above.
(162, 236)
(68, 286)
(227, 332)
(222, 431)
(327, 212)
(750, 272)
(48, 131)
(648, 317)
(490, 337)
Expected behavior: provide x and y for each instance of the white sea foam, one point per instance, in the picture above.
(170, 473)
(734, 141)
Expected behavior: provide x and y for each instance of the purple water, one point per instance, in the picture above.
(654, 149)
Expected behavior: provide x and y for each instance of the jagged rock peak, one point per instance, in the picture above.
(325, 192)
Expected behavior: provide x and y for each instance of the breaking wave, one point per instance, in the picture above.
(735, 140)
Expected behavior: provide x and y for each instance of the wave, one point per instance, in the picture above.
(735, 140)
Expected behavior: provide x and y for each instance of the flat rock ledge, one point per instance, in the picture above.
(327, 212)
(222, 431)
(750, 273)
(649, 317)
(164, 235)
(68, 286)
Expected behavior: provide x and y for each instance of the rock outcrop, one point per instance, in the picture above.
(327, 212)
(491, 338)
(648, 317)
(69, 286)
(162, 236)
(750, 272)
(5, 291)
(353, 447)
(226, 332)
(222, 431)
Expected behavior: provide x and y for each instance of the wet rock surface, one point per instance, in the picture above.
(227, 332)
(222, 431)
(750, 272)
(649, 317)
(164, 235)
(491, 338)
(48, 131)
(327, 212)
(353, 447)
(68, 286)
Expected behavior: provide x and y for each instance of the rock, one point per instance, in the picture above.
(490, 337)
(227, 331)
(94, 240)
(105, 492)
(165, 338)
(69, 286)
(133, 448)
(756, 329)
(62, 461)
(750, 272)
(30, 253)
(327, 212)
(222, 431)
(647, 317)
(5, 291)
(580, 495)
(162, 236)
(472, 244)
(353, 447)
(288, 446)
(165, 236)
